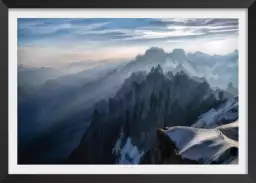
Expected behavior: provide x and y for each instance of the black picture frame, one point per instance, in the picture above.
(5, 177)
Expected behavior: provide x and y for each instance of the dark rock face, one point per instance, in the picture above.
(143, 104)
(165, 152)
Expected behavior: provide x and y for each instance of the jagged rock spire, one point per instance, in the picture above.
(157, 69)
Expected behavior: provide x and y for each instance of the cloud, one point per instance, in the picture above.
(37, 30)
(61, 30)
(168, 34)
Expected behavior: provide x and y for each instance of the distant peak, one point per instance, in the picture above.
(200, 53)
(178, 51)
(181, 72)
(154, 50)
(178, 54)
(158, 69)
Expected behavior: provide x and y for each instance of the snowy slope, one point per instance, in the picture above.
(230, 130)
(126, 152)
(203, 145)
(227, 112)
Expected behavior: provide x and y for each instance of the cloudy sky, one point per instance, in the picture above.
(55, 42)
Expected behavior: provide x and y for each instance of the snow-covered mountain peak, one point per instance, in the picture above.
(203, 145)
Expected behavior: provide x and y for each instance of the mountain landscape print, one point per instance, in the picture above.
(128, 91)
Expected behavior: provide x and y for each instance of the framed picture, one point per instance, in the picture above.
(126, 88)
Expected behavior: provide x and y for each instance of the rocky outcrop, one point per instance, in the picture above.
(124, 127)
